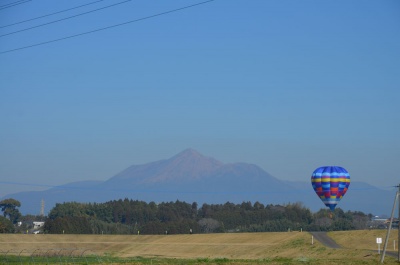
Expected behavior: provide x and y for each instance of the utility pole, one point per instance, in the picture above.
(390, 226)
(398, 224)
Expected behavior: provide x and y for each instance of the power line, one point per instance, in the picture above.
(14, 4)
(74, 16)
(58, 12)
(11, 3)
(109, 27)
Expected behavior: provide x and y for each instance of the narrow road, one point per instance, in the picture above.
(325, 239)
(330, 243)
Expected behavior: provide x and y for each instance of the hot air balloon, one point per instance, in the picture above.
(331, 184)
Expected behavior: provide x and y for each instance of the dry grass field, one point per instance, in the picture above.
(359, 247)
(364, 239)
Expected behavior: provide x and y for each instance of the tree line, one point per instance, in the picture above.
(139, 217)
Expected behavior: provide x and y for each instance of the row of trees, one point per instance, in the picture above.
(133, 217)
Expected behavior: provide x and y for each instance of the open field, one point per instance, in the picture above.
(359, 247)
(364, 239)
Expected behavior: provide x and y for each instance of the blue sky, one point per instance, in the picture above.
(287, 85)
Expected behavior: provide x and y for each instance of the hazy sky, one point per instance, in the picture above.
(287, 85)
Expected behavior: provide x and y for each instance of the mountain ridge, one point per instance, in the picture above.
(187, 162)
(192, 177)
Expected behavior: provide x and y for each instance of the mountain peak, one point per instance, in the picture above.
(189, 153)
(189, 163)
(186, 165)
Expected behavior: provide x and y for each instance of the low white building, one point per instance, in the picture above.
(37, 225)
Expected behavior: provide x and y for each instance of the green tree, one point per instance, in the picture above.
(68, 209)
(9, 208)
(6, 226)
(68, 225)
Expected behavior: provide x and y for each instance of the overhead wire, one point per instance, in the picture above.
(11, 3)
(108, 27)
(51, 14)
(14, 4)
(62, 19)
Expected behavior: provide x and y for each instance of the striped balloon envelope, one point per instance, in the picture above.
(331, 184)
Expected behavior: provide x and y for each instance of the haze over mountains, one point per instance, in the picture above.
(189, 176)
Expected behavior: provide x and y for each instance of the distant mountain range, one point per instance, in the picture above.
(192, 177)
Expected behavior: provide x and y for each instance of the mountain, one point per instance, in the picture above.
(187, 165)
(189, 176)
